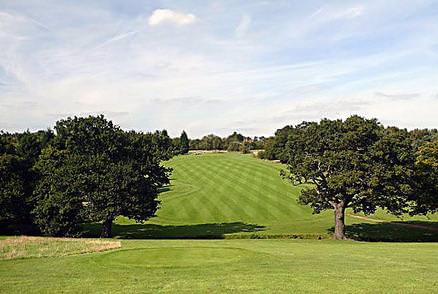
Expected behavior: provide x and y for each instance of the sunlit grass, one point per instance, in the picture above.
(28, 247)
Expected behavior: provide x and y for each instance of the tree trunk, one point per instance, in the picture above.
(107, 226)
(339, 209)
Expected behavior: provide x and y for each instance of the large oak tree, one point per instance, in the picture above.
(94, 171)
(355, 164)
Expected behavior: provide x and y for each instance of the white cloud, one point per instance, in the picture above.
(243, 26)
(160, 16)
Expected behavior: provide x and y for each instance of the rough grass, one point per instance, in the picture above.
(238, 266)
(28, 247)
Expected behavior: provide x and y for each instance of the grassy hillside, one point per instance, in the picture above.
(218, 266)
(238, 195)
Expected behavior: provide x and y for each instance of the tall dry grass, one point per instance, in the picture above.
(27, 247)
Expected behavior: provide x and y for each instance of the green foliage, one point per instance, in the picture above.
(18, 153)
(210, 142)
(58, 196)
(427, 154)
(234, 146)
(426, 197)
(115, 173)
(160, 144)
(12, 192)
(268, 149)
(231, 143)
(184, 143)
(245, 148)
(354, 163)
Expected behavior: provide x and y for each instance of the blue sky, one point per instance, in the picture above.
(218, 66)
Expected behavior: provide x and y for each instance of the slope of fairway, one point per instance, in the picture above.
(234, 188)
(218, 266)
(236, 195)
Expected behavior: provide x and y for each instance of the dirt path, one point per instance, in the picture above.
(407, 225)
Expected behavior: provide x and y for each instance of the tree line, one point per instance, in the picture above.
(234, 142)
(90, 170)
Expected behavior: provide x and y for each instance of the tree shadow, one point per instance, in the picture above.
(406, 231)
(154, 231)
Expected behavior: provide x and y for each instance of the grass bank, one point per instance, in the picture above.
(217, 266)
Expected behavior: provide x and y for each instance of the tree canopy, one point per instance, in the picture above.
(354, 163)
(426, 180)
(184, 143)
(88, 170)
(115, 173)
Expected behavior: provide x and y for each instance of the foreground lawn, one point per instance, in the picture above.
(205, 266)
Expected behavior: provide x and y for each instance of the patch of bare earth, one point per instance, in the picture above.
(27, 247)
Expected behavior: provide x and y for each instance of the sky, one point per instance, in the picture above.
(218, 66)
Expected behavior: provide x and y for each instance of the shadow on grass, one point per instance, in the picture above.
(407, 231)
(153, 231)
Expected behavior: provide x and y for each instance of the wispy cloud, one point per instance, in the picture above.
(327, 13)
(214, 68)
(403, 96)
(117, 37)
(243, 26)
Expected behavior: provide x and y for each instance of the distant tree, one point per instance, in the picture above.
(245, 147)
(354, 163)
(211, 142)
(234, 146)
(195, 144)
(176, 146)
(233, 142)
(184, 143)
(258, 143)
(235, 137)
(426, 178)
(268, 149)
(94, 171)
(162, 144)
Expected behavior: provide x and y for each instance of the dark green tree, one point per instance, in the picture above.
(95, 172)
(18, 153)
(195, 144)
(211, 142)
(233, 142)
(354, 164)
(13, 208)
(184, 143)
(59, 194)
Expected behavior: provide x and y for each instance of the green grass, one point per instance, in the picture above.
(213, 266)
(233, 195)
